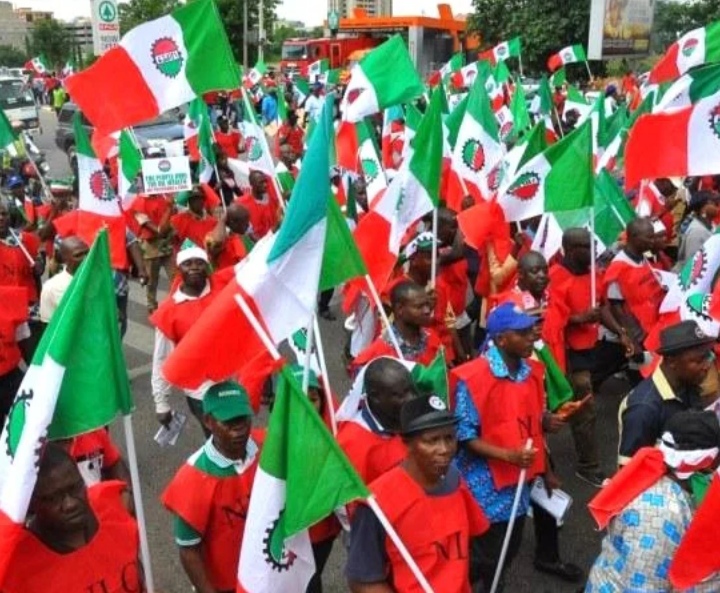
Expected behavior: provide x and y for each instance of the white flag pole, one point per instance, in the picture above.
(22, 247)
(434, 259)
(383, 316)
(511, 523)
(137, 498)
(393, 535)
(587, 65)
(593, 257)
(309, 345)
(324, 377)
(259, 330)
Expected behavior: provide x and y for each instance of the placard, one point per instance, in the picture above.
(620, 28)
(166, 175)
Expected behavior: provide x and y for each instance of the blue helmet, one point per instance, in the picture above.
(14, 181)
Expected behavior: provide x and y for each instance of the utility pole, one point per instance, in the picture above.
(245, 35)
(261, 32)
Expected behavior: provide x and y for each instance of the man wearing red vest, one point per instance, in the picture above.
(209, 496)
(413, 318)
(14, 334)
(78, 539)
(427, 503)
(261, 205)
(231, 244)
(195, 223)
(632, 291)
(229, 140)
(370, 438)
(174, 318)
(500, 399)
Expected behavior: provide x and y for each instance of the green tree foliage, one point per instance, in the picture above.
(11, 57)
(136, 12)
(546, 26)
(50, 39)
(231, 12)
(278, 37)
(673, 19)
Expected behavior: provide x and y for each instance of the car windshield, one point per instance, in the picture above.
(15, 93)
(295, 51)
(162, 120)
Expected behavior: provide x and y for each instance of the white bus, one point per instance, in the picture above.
(18, 102)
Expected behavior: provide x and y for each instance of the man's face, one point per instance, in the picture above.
(196, 204)
(223, 125)
(447, 229)
(644, 239)
(659, 241)
(397, 389)
(691, 366)
(579, 251)
(421, 262)
(518, 344)
(534, 276)
(712, 208)
(76, 255)
(287, 155)
(60, 501)
(194, 273)
(238, 222)
(230, 436)
(258, 183)
(433, 450)
(416, 309)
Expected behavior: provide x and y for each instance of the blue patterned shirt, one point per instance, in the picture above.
(495, 503)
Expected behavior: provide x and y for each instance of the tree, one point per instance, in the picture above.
(279, 36)
(51, 39)
(11, 57)
(673, 19)
(546, 26)
(231, 12)
(136, 12)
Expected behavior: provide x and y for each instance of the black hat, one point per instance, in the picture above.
(423, 413)
(694, 429)
(682, 336)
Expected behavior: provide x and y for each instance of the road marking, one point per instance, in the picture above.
(143, 369)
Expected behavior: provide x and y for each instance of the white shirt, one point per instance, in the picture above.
(51, 294)
(314, 106)
(163, 347)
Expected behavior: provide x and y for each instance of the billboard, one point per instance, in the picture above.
(105, 25)
(620, 28)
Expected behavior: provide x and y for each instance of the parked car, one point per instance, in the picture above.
(152, 135)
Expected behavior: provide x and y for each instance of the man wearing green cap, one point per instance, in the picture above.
(210, 495)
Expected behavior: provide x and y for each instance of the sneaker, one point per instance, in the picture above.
(597, 479)
(567, 571)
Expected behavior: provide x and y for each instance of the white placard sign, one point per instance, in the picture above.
(166, 175)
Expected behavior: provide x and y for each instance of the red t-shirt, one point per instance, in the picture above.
(263, 215)
(15, 269)
(292, 136)
(188, 226)
(229, 142)
(13, 312)
(154, 207)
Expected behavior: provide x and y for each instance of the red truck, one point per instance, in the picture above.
(298, 54)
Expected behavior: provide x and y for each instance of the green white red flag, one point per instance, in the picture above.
(259, 157)
(38, 65)
(255, 76)
(373, 86)
(502, 51)
(303, 476)
(695, 48)
(59, 396)
(129, 168)
(157, 66)
(568, 55)
(372, 169)
(560, 178)
(318, 69)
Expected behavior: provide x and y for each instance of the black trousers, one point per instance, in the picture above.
(321, 553)
(485, 550)
(9, 385)
(324, 299)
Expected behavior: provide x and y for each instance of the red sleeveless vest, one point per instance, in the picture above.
(371, 454)
(510, 413)
(107, 564)
(435, 529)
(217, 508)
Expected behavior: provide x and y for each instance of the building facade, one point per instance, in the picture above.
(80, 31)
(13, 28)
(372, 7)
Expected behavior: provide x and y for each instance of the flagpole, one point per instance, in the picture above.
(217, 173)
(259, 330)
(309, 344)
(137, 498)
(587, 65)
(22, 247)
(511, 522)
(395, 538)
(41, 179)
(383, 315)
(593, 257)
(520, 62)
(324, 377)
(433, 261)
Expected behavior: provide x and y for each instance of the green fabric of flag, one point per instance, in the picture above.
(501, 73)
(299, 450)
(547, 105)
(7, 134)
(612, 211)
(570, 183)
(432, 379)
(558, 78)
(425, 164)
(518, 107)
(84, 337)
(557, 388)
(535, 142)
(341, 259)
(454, 120)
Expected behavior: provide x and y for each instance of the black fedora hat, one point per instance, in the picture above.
(682, 336)
(424, 413)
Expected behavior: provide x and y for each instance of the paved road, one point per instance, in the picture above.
(579, 540)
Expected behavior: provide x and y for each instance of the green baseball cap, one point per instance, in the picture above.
(227, 400)
(298, 371)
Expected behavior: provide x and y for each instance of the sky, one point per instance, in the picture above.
(311, 12)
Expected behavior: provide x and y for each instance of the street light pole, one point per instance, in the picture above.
(245, 35)
(261, 32)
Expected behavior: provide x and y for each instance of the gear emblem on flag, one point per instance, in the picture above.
(473, 155)
(495, 177)
(694, 270)
(699, 304)
(370, 169)
(167, 57)
(100, 187)
(689, 47)
(274, 547)
(353, 95)
(501, 51)
(525, 187)
(253, 148)
(506, 128)
(16, 421)
(715, 120)
(567, 57)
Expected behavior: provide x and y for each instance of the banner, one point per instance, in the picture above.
(166, 175)
(620, 28)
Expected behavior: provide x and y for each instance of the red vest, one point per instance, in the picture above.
(174, 320)
(15, 269)
(263, 216)
(229, 142)
(154, 207)
(370, 453)
(189, 226)
(108, 563)
(510, 413)
(642, 291)
(435, 529)
(233, 251)
(381, 348)
(13, 312)
(217, 508)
